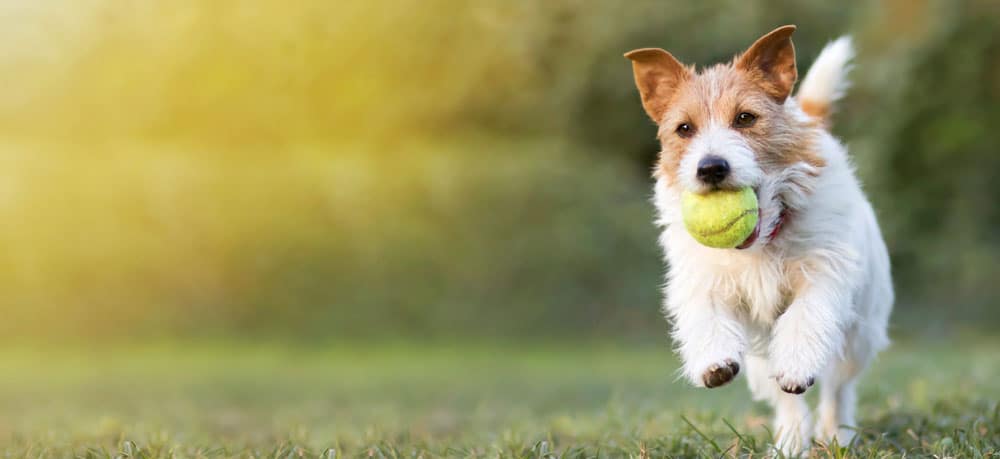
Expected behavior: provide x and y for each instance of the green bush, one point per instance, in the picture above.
(435, 168)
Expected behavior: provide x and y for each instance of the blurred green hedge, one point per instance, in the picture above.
(437, 168)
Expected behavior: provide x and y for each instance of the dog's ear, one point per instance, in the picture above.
(771, 62)
(657, 75)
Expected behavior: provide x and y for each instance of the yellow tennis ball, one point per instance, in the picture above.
(721, 219)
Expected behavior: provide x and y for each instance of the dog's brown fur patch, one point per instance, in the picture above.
(817, 110)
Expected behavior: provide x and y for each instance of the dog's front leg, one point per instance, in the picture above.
(710, 340)
(804, 340)
(809, 333)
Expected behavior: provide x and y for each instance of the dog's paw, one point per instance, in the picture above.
(719, 374)
(794, 385)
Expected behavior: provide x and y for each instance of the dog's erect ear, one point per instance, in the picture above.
(657, 75)
(771, 61)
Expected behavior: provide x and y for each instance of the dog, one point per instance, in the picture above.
(806, 298)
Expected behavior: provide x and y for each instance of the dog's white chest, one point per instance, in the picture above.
(759, 286)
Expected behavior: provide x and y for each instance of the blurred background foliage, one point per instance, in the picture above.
(437, 168)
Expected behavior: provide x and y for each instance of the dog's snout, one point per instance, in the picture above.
(713, 170)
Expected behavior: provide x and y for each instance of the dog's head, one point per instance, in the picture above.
(731, 125)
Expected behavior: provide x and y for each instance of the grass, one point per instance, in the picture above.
(927, 398)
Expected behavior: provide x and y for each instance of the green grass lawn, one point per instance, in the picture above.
(932, 397)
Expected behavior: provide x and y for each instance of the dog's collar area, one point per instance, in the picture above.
(778, 224)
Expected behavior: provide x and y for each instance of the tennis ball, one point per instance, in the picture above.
(721, 219)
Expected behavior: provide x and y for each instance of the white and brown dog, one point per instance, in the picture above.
(807, 296)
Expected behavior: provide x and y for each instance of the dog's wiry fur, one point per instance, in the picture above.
(811, 304)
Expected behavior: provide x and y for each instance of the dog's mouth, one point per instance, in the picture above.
(752, 237)
(756, 229)
(775, 228)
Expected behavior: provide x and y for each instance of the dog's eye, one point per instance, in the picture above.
(744, 119)
(685, 130)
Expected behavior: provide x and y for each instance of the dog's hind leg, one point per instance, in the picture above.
(792, 426)
(837, 399)
(837, 392)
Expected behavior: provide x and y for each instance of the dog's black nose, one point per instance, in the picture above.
(713, 170)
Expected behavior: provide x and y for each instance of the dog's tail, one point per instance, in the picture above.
(826, 81)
